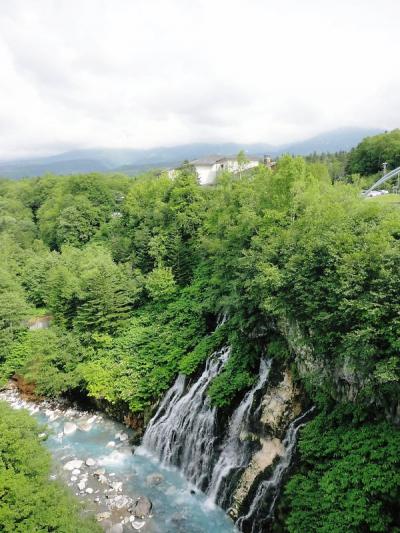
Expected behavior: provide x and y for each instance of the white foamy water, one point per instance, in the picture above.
(118, 477)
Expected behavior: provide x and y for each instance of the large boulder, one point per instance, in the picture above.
(142, 507)
(74, 464)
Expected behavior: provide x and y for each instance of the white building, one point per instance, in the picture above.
(209, 167)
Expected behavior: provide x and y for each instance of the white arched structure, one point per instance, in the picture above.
(383, 179)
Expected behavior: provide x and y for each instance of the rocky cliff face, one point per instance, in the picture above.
(280, 404)
(345, 382)
(344, 379)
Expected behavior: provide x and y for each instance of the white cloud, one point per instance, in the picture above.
(139, 73)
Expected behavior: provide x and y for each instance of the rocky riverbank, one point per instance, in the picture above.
(93, 456)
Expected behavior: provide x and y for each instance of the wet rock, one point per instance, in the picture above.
(89, 490)
(69, 428)
(90, 462)
(82, 485)
(116, 528)
(135, 440)
(154, 479)
(123, 436)
(85, 426)
(142, 507)
(76, 472)
(74, 478)
(99, 472)
(119, 502)
(116, 485)
(92, 419)
(178, 519)
(137, 524)
(103, 516)
(110, 444)
(42, 435)
(74, 464)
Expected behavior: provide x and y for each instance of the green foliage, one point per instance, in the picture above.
(333, 164)
(28, 500)
(140, 364)
(161, 217)
(349, 479)
(14, 310)
(88, 291)
(160, 284)
(48, 358)
(368, 157)
(75, 207)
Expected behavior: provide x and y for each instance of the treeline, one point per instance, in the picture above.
(137, 273)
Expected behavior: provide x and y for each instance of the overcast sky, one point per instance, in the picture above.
(142, 73)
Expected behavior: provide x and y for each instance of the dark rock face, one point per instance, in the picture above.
(142, 507)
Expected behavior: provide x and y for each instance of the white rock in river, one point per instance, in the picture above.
(92, 419)
(136, 524)
(123, 436)
(76, 472)
(90, 462)
(116, 485)
(69, 428)
(74, 478)
(119, 502)
(110, 444)
(85, 426)
(82, 485)
(74, 464)
(89, 490)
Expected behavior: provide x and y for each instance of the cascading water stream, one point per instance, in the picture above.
(233, 451)
(182, 432)
(271, 487)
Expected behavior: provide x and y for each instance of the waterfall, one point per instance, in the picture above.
(271, 487)
(233, 454)
(182, 432)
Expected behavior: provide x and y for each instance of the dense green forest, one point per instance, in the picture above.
(136, 273)
(29, 502)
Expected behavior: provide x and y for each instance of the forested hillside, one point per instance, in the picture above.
(137, 273)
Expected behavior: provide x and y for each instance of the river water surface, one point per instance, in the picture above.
(114, 478)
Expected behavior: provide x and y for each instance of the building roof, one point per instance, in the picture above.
(212, 159)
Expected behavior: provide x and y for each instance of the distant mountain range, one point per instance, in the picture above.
(133, 161)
